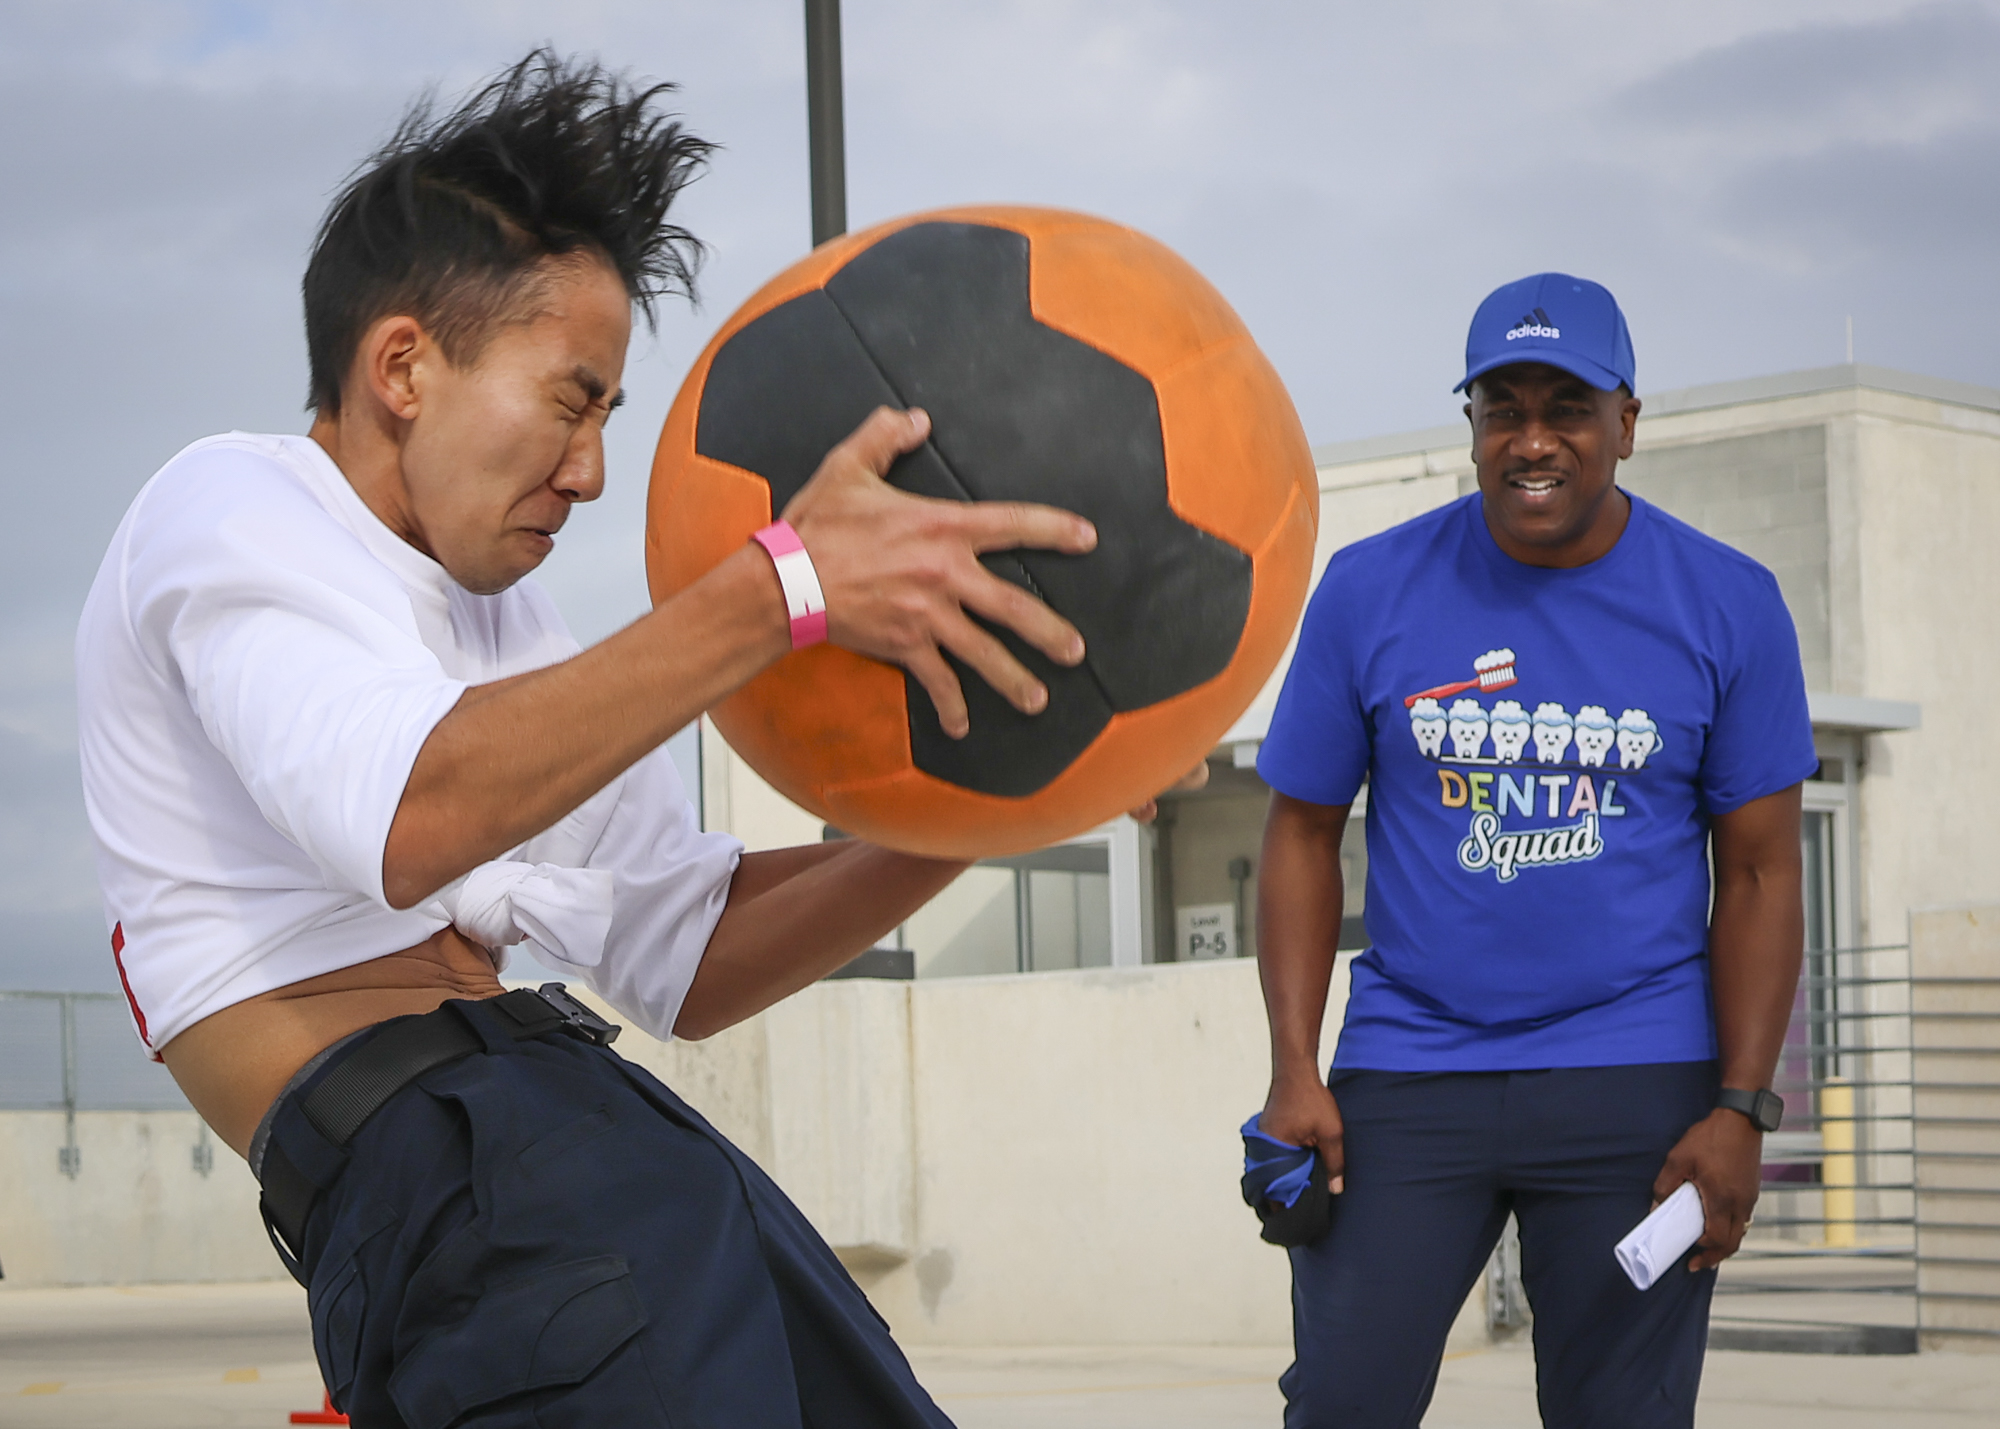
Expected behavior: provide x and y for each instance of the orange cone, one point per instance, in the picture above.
(325, 1415)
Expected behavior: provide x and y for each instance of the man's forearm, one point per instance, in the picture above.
(515, 756)
(795, 915)
(1300, 896)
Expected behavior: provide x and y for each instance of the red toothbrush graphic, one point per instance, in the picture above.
(1492, 671)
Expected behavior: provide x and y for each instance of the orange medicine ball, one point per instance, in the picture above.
(1064, 360)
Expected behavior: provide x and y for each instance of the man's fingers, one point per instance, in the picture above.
(940, 682)
(996, 665)
(1671, 1178)
(1710, 1256)
(1197, 778)
(1721, 1231)
(1005, 603)
(886, 435)
(1004, 525)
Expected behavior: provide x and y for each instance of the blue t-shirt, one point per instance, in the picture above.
(1544, 750)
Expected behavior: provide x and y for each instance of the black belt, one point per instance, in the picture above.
(361, 1083)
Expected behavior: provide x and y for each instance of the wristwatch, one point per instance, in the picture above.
(1765, 1108)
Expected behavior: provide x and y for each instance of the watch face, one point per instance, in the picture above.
(1764, 1108)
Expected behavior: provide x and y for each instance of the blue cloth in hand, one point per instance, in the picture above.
(1274, 1170)
(1286, 1186)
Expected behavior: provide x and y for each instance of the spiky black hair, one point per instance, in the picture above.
(451, 221)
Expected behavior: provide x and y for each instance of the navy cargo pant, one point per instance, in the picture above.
(1435, 1161)
(544, 1235)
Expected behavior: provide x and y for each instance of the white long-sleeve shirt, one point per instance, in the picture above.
(259, 661)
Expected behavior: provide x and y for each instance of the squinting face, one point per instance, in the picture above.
(1547, 446)
(500, 449)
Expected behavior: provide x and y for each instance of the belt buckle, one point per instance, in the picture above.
(578, 1020)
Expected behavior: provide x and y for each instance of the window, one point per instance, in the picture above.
(1032, 912)
(1825, 835)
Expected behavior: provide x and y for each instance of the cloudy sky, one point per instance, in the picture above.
(1745, 175)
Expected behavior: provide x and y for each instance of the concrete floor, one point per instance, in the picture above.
(239, 1355)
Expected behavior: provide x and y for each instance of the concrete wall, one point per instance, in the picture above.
(138, 1211)
(1764, 494)
(1920, 532)
(1020, 1160)
(1042, 1159)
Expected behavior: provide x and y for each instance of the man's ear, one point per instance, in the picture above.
(1628, 424)
(391, 357)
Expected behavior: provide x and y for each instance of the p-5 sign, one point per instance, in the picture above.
(1205, 930)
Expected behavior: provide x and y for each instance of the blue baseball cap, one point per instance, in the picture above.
(1571, 323)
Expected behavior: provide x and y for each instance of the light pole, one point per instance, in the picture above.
(825, 131)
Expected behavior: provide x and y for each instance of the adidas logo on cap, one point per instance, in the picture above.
(1535, 324)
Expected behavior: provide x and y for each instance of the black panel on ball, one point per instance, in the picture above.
(1022, 412)
(937, 315)
(791, 386)
(1008, 753)
(781, 393)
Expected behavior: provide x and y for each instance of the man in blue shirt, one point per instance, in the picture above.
(1563, 702)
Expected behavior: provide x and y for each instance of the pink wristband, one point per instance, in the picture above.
(804, 600)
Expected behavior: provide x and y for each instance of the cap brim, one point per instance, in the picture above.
(1602, 378)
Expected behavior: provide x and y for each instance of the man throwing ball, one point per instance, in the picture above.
(1564, 704)
(337, 752)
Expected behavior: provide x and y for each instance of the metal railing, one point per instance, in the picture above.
(74, 1052)
(1879, 1226)
(1878, 1230)
(1830, 1263)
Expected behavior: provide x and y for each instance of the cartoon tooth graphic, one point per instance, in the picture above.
(1427, 722)
(1552, 732)
(1510, 731)
(1468, 728)
(1638, 737)
(1595, 732)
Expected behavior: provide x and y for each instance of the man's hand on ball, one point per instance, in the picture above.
(1722, 1155)
(1195, 778)
(901, 573)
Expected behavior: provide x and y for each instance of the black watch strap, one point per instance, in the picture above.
(1764, 1107)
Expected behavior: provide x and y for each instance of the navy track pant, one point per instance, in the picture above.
(544, 1235)
(1435, 1161)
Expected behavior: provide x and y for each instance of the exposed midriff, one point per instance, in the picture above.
(233, 1063)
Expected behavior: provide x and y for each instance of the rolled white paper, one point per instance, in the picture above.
(1663, 1237)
